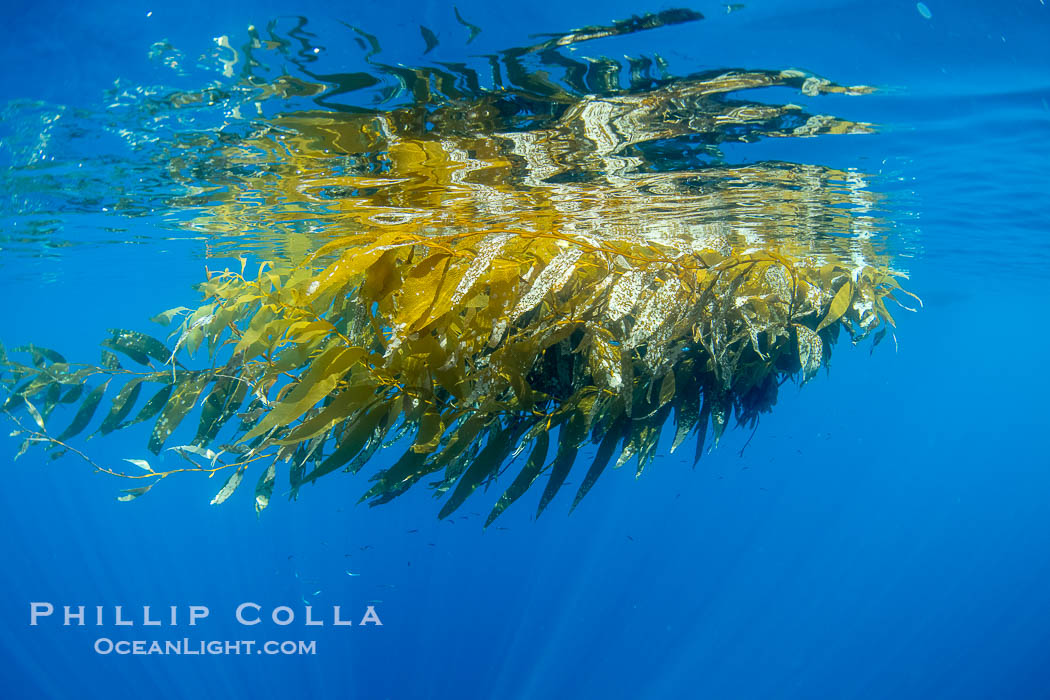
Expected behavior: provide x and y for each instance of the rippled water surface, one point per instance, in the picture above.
(532, 242)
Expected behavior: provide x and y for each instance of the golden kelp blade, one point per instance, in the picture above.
(465, 286)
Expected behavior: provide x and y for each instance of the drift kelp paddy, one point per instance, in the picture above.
(475, 269)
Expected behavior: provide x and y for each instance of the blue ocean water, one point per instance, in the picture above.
(883, 534)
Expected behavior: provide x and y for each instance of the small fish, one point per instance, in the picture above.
(923, 10)
(630, 538)
(474, 29)
(317, 593)
(410, 531)
(350, 574)
(735, 7)
(429, 37)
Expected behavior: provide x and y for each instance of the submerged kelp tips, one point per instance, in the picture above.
(490, 280)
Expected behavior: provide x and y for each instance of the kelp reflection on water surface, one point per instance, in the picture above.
(479, 274)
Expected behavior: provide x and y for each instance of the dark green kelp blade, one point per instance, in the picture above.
(264, 488)
(499, 446)
(182, 400)
(122, 405)
(84, 415)
(220, 406)
(353, 441)
(606, 449)
(40, 354)
(523, 481)
(138, 346)
(569, 439)
(153, 406)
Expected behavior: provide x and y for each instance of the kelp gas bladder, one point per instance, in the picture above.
(488, 278)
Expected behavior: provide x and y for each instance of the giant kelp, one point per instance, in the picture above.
(484, 274)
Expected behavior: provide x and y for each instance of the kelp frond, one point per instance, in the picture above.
(492, 281)
(475, 346)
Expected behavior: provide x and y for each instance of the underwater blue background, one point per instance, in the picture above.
(884, 535)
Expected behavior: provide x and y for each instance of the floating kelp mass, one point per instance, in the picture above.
(486, 276)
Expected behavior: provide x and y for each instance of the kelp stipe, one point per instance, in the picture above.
(505, 273)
